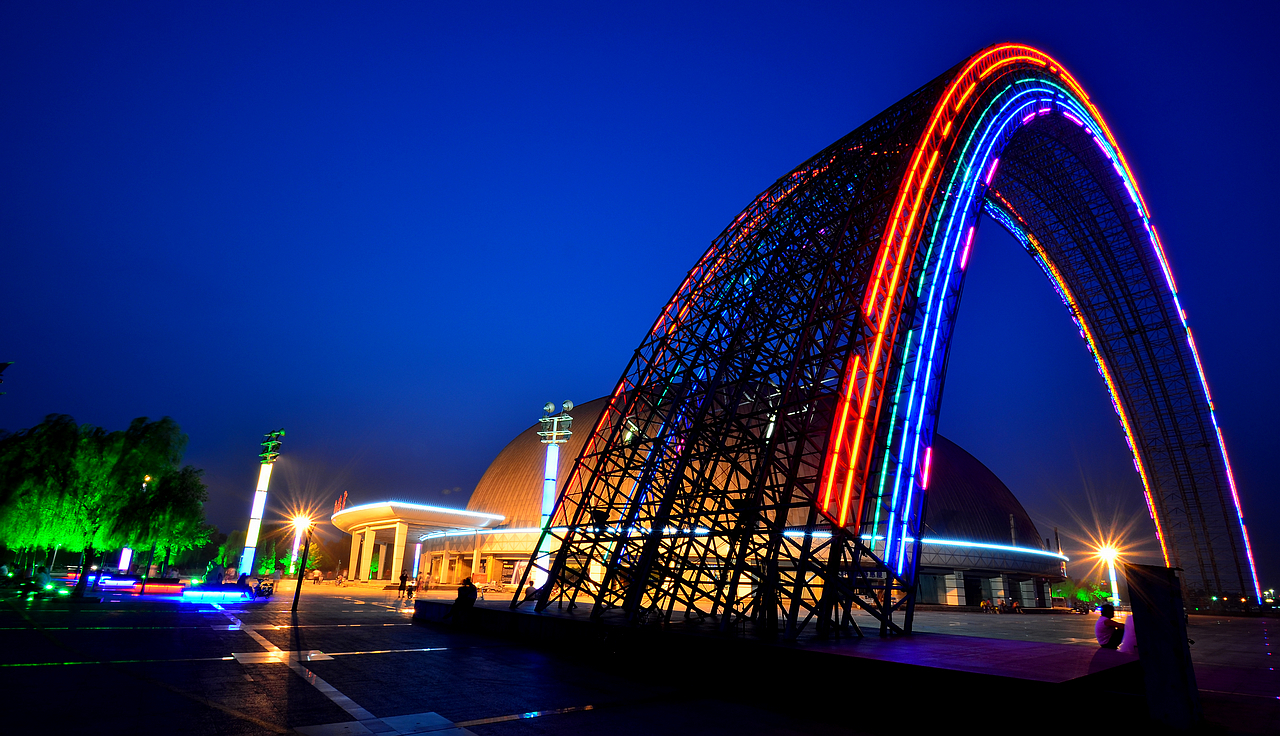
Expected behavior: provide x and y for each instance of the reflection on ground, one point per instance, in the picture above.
(350, 662)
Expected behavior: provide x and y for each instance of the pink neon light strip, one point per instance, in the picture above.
(928, 461)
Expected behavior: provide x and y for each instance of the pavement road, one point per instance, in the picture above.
(351, 662)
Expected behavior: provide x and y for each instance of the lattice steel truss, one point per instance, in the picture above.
(763, 462)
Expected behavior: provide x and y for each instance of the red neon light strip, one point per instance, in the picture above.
(894, 247)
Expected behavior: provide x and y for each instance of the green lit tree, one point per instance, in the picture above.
(82, 488)
(1083, 591)
(229, 553)
(317, 557)
(266, 557)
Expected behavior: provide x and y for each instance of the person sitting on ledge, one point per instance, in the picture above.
(461, 609)
(213, 575)
(1108, 631)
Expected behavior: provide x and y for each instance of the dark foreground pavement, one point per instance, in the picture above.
(159, 667)
(352, 657)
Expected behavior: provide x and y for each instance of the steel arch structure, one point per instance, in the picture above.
(764, 459)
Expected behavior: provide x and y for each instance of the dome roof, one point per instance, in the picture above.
(513, 481)
(966, 500)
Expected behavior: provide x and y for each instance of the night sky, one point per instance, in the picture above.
(398, 229)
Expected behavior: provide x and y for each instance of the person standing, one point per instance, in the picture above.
(404, 584)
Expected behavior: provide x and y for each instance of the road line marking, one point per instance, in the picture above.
(388, 651)
(117, 661)
(262, 640)
(520, 716)
(331, 692)
(292, 659)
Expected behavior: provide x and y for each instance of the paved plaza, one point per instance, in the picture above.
(350, 661)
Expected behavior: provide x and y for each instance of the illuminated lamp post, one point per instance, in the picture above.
(1109, 554)
(270, 453)
(302, 526)
(554, 432)
(147, 572)
(298, 529)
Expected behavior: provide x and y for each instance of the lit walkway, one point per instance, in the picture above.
(351, 662)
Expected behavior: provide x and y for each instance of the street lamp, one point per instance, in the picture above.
(302, 526)
(1109, 554)
(151, 558)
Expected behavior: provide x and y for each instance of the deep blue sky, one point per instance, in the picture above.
(397, 230)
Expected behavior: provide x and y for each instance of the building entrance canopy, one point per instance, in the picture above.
(392, 524)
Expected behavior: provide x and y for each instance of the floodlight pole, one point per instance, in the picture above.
(302, 571)
(147, 573)
(293, 553)
(270, 453)
(555, 431)
(1111, 570)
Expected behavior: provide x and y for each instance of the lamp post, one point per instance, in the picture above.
(298, 529)
(554, 432)
(270, 452)
(147, 572)
(1109, 554)
(302, 525)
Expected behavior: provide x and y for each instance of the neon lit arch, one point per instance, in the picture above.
(785, 399)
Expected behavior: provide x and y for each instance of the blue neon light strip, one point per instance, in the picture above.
(670, 531)
(984, 163)
(987, 545)
(947, 543)
(793, 534)
(931, 331)
(109, 583)
(440, 509)
(214, 595)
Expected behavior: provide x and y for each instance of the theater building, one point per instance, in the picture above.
(977, 541)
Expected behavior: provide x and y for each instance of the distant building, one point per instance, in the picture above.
(978, 541)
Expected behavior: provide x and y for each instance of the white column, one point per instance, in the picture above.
(475, 560)
(366, 556)
(397, 552)
(382, 561)
(444, 568)
(355, 550)
(543, 557)
(255, 520)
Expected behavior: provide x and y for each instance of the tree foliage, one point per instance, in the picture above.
(81, 486)
(266, 557)
(1083, 591)
(232, 548)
